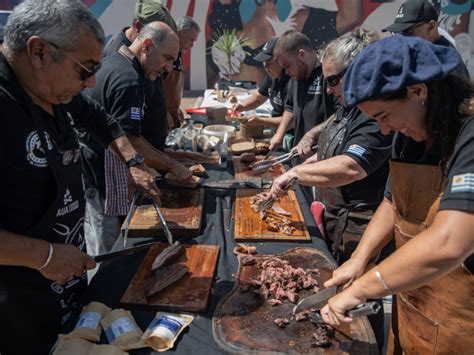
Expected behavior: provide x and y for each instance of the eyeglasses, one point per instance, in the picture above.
(335, 79)
(84, 73)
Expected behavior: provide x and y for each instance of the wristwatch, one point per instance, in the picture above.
(137, 159)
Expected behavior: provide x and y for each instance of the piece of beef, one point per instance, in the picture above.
(247, 157)
(248, 260)
(281, 322)
(168, 256)
(323, 335)
(164, 277)
(275, 302)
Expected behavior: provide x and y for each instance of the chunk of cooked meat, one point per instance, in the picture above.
(323, 335)
(244, 249)
(168, 256)
(281, 322)
(248, 260)
(247, 157)
(164, 277)
(276, 221)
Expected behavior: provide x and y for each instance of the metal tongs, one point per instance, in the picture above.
(262, 166)
(167, 231)
(265, 205)
(133, 206)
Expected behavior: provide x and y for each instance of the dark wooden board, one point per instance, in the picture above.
(249, 227)
(243, 323)
(242, 172)
(182, 209)
(191, 293)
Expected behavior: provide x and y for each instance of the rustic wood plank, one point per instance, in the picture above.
(249, 227)
(243, 323)
(242, 172)
(182, 209)
(191, 293)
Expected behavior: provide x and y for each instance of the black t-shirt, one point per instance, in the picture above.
(309, 102)
(364, 143)
(276, 90)
(461, 70)
(154, 124)
(120, 90)
(27, 185)
(459, 192)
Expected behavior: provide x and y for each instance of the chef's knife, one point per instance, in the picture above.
(252, 183)
(319, 300)
(126, 251)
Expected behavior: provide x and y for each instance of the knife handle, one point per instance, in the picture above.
(364, 309)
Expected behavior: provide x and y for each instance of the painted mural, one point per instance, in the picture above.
(255, 21)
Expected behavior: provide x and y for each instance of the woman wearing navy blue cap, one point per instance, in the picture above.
(405, 84)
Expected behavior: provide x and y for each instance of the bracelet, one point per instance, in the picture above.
(48, 259)
(380, 279)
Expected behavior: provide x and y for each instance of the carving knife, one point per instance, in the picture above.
(126, 251)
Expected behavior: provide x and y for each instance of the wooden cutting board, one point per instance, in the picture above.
(182, 209)
(243, 323)
(242, 172)
(248, 226)
(190, 293)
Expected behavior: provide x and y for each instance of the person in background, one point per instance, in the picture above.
(155, 122)
(273, 86)
(188, 32)
(419, 18)
(429, 201)
(121, 89)
(51, 52)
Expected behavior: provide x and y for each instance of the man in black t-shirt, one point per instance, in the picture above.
(274, 86)
(419, 18)
(308, 104)
(121, 90)
(154, 124)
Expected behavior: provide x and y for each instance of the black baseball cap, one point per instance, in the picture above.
(412, 12)
(267, 51)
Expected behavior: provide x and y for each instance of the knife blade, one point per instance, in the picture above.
(226, 213)
(258, 183)
(317, 301)
(126, 251)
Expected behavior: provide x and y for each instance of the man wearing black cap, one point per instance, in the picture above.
(419, 18)
(274, 86)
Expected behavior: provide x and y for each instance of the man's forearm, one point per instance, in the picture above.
(20, 250)
(285, 123)
(123, 148)
(311, 137)
(153, 157)
(333, 172)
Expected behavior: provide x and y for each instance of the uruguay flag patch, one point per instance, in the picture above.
(463, 183)
(135, 113)
(356, 150)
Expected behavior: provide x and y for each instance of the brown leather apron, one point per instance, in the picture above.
(344, 223)
(437, 318)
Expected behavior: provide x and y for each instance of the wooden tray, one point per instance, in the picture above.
(191, 293)
(182, 210)
(249, 227)
(243, 323)
(242, 172)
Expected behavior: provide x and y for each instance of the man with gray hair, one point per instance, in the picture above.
(51, 52)
(188, 31)
(121, 91)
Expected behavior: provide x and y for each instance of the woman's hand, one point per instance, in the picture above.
(334, 313)
(347, 273)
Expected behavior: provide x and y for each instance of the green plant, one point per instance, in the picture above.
(228, 42)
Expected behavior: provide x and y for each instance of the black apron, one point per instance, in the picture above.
(33, 308)
(344, 222)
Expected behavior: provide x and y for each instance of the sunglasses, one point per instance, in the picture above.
(84, 72)
(335, 79)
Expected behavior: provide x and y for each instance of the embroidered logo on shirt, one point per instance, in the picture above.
(135, 113)
(315, 88)
(463, 183)
(356, 150)
(35, 153)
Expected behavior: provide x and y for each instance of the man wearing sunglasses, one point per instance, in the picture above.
(121, 90)
(51, 52)
(419, 18)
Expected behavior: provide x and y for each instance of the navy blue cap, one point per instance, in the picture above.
(388, 65)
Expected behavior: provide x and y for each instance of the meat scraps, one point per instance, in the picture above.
(244, 249)
(276, 219)
(262, 148)
(281, 322)
(323, 335)
(165, 269)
